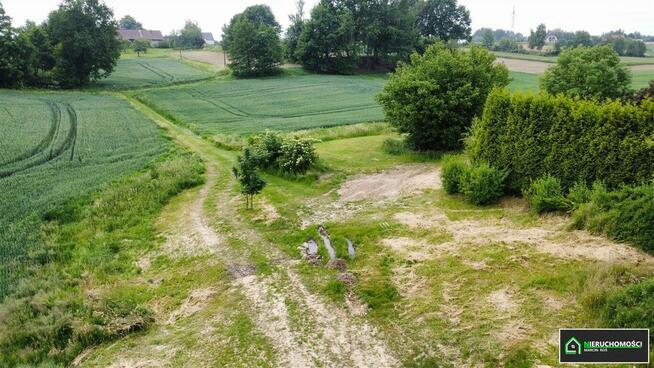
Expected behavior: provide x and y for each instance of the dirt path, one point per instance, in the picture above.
(304, 330)
(539, 67)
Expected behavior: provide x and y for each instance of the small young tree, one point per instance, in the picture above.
(588, 72)
(248, 177)
(537, 39)
(140, 46)
(435, 98)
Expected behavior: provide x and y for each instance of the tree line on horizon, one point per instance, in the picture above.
(341, 36)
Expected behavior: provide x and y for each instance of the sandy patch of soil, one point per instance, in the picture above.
(192, 235)
(449, 309)
(403, 180)
(195, 302)
(215, 58)
(643, 68)
(558, 243)
(408, 283)
(503, 301)
(416, 250)
(524, 66)
(268, 213)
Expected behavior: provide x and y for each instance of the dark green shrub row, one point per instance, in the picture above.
(632, 307)
(573, 140)
(289, 155)
(480, 184)
(626, 214)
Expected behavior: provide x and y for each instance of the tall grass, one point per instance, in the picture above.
(65, 301)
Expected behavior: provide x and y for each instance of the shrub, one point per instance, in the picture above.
(394, 146)
(579, 194)
(298, 155)
(588, 72)
(267, 148)
(626, 214)
(632, 306)
(452, 170)
(482, 184)
(292, 155)
(546, 195)
(435, 97)
(573, 140)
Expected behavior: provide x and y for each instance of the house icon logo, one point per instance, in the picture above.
(572, 347)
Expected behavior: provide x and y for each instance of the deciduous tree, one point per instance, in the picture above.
(588, 72)
(444, 20)
(537, 39)
(10, 63)
(435, 98)
(83, 34)
(246, 173)
(128, 22)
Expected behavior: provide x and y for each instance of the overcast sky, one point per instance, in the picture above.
(595, 16)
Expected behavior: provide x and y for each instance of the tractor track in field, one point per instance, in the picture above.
(45, 142)
(161, 73)
(314, 333)
(30, 160)
(195, 93)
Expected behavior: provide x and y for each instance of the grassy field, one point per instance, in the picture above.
(629, 60)
(59, 146)
(527, 82)
(132, 72)
(641, 78)
(524, 82)
(290, 102)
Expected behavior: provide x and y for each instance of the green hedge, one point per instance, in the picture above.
(532, 136)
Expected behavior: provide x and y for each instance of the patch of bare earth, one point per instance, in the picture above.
(216, 58)
(195, 302)
(268, 213)
(556, 242)
(403, 180)
(524, 66)
(377, 189)
(643, 68)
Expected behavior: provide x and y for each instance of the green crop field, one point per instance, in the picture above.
(286, 103)
(59, 146)
(150, 71)
(641, 78)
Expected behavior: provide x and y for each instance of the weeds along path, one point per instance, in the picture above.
(303, 329)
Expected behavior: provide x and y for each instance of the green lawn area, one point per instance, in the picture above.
(292, 101)
(133, 72)
(524, 82)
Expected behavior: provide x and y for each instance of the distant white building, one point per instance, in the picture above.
(208, 38)
(551, 39)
